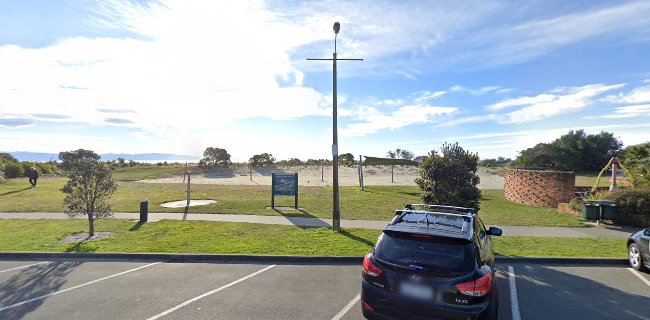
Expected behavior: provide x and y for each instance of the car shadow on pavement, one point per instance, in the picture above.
(30, 283)
(548, 293)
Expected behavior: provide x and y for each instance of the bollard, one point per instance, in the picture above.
(144, 210)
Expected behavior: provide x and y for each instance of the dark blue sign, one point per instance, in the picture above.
(284, 185)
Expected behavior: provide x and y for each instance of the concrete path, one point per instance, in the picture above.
(592, 231)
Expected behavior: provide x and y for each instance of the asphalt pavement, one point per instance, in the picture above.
(133, 290)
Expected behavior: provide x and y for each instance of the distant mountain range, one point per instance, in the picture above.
(39, 156)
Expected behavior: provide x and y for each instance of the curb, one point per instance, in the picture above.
(236, 258)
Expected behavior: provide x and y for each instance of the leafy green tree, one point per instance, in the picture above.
(9, 166)
(215, 157)
(261, 160)
(294, 162)
(637, 162)
(575, 150)
(400, 154)
(347, 159)
(449, 177)
(89, 187)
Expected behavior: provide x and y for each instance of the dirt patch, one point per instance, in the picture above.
(83, 236)
(322, 176)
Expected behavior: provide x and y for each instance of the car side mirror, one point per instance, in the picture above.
(495, 231)
(646, 231)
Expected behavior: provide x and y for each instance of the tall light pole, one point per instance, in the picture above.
(336, 212)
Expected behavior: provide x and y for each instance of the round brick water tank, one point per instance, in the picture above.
(543, 188)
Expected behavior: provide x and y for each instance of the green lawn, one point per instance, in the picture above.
(240, 238)
(377, 203)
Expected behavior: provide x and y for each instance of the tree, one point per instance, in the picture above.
(261, 160)
(347, 159)
(575, 150)
(400, 154)
(449, 177)
(294, 162)
(637, 162)
(215, 157)
(89, 187)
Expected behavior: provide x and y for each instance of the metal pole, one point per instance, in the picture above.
(336, 212)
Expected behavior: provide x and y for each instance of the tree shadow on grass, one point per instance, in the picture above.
(356, 238)
(82, 246)
(30, 283)
(15, 191)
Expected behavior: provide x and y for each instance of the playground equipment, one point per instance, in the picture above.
(614, 163)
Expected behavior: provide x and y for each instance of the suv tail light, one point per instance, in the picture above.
(370, 268)
(478, 287)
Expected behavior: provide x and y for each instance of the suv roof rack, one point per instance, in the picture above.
(439, 208)
(449, 224)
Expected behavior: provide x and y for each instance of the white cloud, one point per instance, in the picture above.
(510, 44)
(638, 95)
(642, 110)
(220, 60)
(522, 101)
(480, 91)
(565, 100)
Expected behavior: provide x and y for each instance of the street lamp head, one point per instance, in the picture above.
(337, 27)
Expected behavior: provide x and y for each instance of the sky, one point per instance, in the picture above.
(177, 76)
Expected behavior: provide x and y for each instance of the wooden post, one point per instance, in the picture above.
(188, 188)
(392, 167)
(296, 201)
(250, 173)
(361, 173)
(272, 190)
(322, 173)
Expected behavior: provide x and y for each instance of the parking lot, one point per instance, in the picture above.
(130, 290)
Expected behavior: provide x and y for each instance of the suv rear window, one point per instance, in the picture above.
(427, 254)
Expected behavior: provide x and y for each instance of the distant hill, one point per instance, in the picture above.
(40, 156)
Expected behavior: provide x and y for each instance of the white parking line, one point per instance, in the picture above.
(168, 311)
(23, 267)
(636, 273)
(514, 303)
(75, 287)
(347, 308)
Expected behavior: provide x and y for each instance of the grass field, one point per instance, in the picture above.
(240, 238)
(377, 203)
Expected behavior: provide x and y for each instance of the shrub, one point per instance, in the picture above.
(449, 177)
(576, 204)
(633, 205)
(14, 170)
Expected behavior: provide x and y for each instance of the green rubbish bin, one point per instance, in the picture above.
(590, 211)
(609, 209)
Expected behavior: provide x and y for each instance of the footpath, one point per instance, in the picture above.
(591, 231)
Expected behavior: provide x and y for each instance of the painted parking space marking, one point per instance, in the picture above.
(514, 303)
(347, 308)
(170, 310)
(23, 267)
(75, 287)
(636, 273)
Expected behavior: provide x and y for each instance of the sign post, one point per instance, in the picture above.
(284, 185)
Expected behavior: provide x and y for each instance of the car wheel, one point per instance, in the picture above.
(636, 260)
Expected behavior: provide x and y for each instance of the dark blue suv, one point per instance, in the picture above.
(433, 262)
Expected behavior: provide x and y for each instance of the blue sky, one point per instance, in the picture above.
(179, 76)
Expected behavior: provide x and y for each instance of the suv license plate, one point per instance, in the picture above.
(416, 290)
